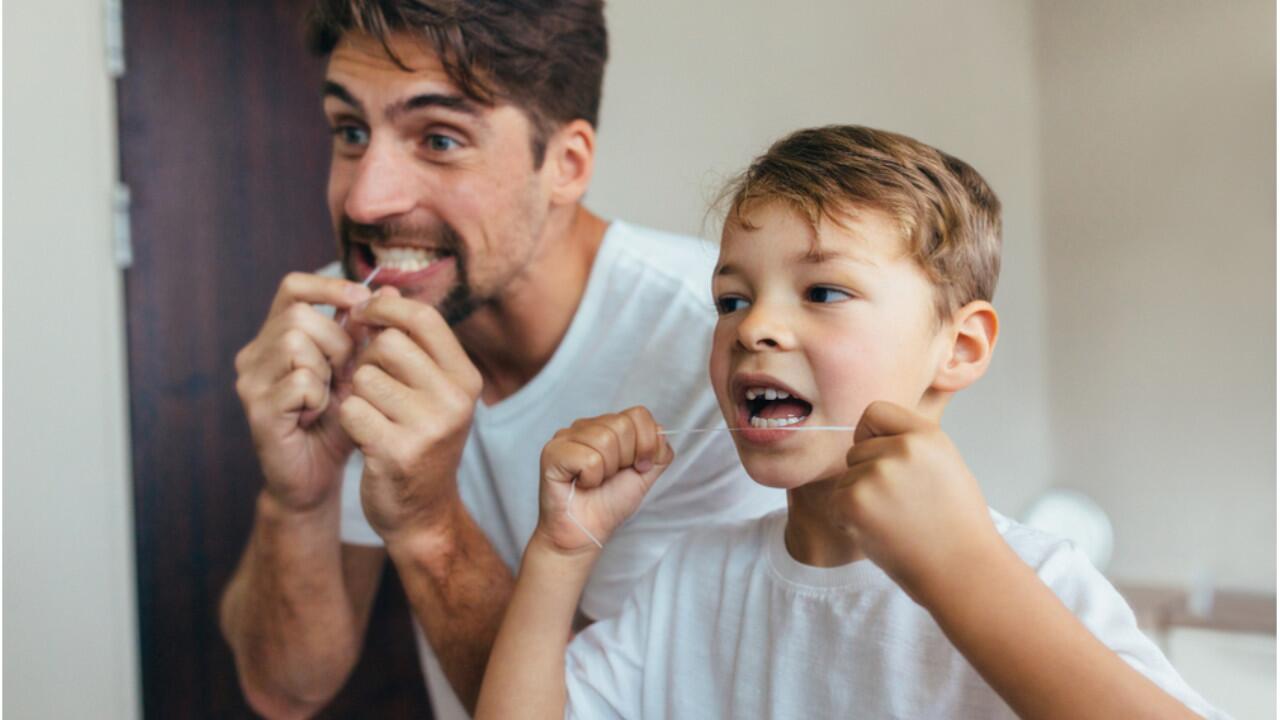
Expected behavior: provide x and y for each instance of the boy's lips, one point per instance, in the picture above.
(767, 407)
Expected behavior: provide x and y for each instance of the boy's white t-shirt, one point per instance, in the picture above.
(641, 336)
(729, 625)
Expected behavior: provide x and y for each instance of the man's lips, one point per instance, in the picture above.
(364, 264)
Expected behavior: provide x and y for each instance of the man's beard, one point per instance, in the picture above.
(458, 302)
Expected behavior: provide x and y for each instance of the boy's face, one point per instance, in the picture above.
(834, 330)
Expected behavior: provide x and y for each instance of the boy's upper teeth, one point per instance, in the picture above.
(767, 393)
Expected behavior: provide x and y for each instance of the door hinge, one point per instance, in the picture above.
(115, 37)
(120, 227)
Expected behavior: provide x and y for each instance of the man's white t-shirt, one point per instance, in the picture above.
(729, 625)
(641, 336)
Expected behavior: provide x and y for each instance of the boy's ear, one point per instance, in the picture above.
(570, 161)
(974, 329)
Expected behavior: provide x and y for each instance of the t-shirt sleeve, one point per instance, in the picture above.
(705, 484)
(1104, 611)
(355, 528)
(604, 663)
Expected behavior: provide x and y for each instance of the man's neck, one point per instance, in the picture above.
(512, 339)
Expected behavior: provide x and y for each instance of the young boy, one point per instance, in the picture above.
(853, 286)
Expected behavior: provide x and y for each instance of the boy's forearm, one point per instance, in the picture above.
(286, 613)
(458, 587)
(526, 673)
(1033, 651)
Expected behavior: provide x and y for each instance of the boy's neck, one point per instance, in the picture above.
(810, 536)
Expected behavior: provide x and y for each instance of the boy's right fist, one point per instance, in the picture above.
(614, 460)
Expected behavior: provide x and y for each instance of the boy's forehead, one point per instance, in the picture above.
(856, 235)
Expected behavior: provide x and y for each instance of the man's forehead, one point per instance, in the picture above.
(359, 56)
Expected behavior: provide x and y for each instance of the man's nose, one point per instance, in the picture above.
(383, 186)
(765, 328)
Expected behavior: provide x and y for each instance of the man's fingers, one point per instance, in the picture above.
(423, 324)
(316, 290)
(301, 391)
(393, 351)
(885, 418)
(384, 393)
(363, 423)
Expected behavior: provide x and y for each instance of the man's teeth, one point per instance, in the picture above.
(759, 422)
(404, 259)
(767, 394)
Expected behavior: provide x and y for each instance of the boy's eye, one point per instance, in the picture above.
(441, 143)
(730, 303)
(823, 294)
(351, 134)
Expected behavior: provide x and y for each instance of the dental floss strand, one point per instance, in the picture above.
(573, 486)
(372, 275)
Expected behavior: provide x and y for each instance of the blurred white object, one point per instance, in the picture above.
(1075, 516)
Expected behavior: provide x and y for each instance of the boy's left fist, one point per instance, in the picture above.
(909, 501)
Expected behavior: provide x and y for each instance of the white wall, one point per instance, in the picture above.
(1159, 210)
(695, 90)
(70, 635)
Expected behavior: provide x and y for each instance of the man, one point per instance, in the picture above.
(464, 140)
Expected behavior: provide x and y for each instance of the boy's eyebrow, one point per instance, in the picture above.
(817, 255)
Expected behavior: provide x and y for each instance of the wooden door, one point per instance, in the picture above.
(225, 150)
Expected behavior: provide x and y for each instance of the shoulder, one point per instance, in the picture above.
(682, 263)
(1063, 567)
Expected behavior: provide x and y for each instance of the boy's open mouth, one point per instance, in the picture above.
(771, 407)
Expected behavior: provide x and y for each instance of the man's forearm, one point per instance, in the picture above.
(287, 614)
(1034, 652)
(459, 588)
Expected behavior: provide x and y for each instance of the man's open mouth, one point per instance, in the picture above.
(772, 407)
(399, 258)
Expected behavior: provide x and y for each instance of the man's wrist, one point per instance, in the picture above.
(434, 538)
(273, 511)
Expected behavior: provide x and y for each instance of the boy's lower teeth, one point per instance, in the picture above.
(759, 422)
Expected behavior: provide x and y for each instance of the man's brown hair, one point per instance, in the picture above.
(948, 216)
(546, 57)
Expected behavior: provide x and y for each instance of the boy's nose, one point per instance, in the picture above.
(763, 330)
(382, 188)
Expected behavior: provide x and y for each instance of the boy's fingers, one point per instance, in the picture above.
(869, 449)
(316, 290)
(885, 418)
(646, 437)
(624, 429)
(566, 460)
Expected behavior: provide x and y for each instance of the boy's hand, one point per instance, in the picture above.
(615, 459)
(910, 503)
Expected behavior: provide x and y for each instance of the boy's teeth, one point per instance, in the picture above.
(767, 393)
(759, 422)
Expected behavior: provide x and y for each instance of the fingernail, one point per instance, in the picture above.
(643, 466)
(356, 292)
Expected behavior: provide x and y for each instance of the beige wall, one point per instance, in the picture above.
(1159, 214)
(696, 89)
(70, 635)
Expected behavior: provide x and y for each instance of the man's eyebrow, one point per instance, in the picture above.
(427, 100)
(333, 89)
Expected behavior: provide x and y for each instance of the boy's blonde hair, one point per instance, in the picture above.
(948, 215)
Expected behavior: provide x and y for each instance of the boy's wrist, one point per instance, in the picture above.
(546, 554)
(972, 570)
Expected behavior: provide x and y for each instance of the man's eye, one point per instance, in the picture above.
(441, 143)
(730, 303)
(351, 135)
(823, 294)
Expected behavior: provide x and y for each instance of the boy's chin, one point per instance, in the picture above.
(784, 475)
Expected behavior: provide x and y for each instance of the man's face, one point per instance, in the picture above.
(811, 339)
(437, 190)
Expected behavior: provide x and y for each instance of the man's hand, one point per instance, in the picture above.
(615, 459)
(910, 502)
(412, 397)
(283, 380)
